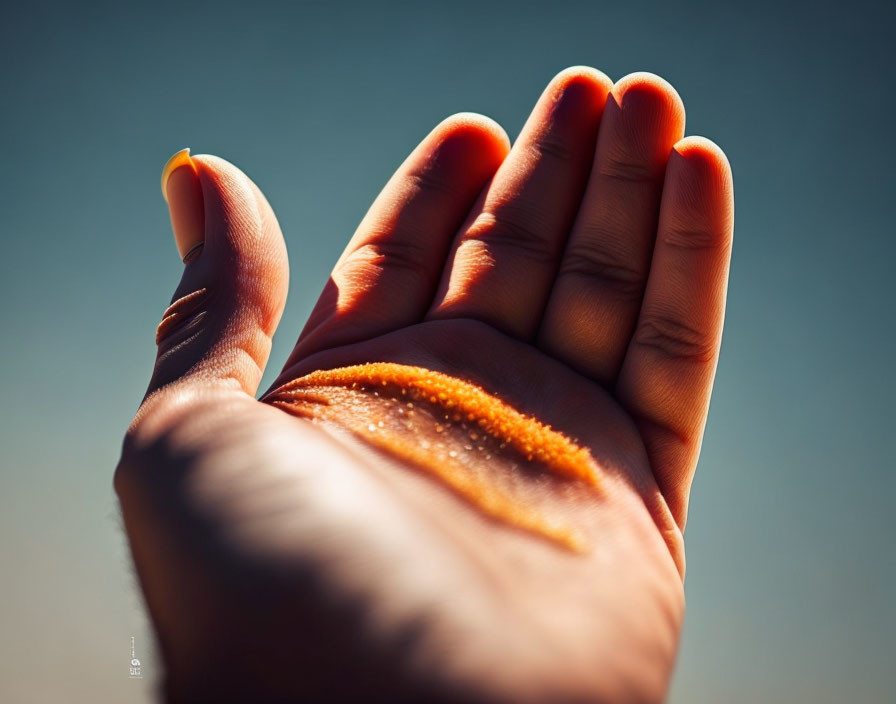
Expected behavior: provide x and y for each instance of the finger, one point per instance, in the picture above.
(387, 276)
(504, 261)
(217, 331)
(594, 304)
(666, 378)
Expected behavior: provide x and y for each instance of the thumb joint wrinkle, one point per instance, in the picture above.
(184, 313)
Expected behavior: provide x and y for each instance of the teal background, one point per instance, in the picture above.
(791, 563)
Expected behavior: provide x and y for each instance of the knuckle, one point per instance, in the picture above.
(553, 146)
(428, 181)
(694, 222)
(515, 229)
(663, 438)
(621, 166)
(390, 253)
(674, 339)
(588, 259)
(691, 238)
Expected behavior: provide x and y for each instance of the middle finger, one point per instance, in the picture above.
(503, 262)
(595, 300)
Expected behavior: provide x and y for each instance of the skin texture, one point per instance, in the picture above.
(579, 278)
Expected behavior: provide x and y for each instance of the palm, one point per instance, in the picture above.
(357, 568)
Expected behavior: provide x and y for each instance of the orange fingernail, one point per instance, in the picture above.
(183, 192)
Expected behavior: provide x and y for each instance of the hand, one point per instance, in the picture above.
(579, 277)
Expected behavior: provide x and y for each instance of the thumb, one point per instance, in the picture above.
(217, 331)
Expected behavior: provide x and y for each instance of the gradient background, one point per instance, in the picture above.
(791, 562)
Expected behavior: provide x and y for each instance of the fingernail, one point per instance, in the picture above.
(183, 192)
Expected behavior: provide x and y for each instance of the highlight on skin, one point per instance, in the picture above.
(450, 429)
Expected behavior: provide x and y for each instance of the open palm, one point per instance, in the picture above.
(580, 278)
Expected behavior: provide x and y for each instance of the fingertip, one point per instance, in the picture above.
(701, 166)
(473, 133)
(224, 172)
(220, 171)
(231, 209)
(587, 75)
(703, 153)
(464, 148)
(643, 89)
(223, 183)
(579, 92)
(700, 190)
(241, 227)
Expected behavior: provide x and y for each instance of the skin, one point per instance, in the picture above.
(580, 278)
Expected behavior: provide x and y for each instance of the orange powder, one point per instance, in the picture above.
(408, 411)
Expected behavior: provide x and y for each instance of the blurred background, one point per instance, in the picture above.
(791, 559)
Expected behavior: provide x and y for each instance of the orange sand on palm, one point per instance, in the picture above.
(449, 428)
